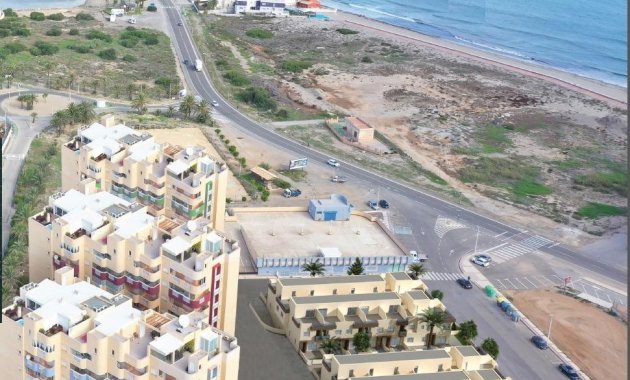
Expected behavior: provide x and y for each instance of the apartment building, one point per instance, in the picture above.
(160, 263)
(170, 180)
(311, 310)
(77, 331)
(449, 363)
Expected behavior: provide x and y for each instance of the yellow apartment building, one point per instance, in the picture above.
(161, 263)
(449, 363)
(311, 310)
(75, 330)
(169, 179)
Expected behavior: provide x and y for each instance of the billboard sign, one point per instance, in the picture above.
(298, 164)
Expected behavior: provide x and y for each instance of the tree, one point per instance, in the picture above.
(187, 106)
(433, 316)
(314, 268)
(29, 99)
(417, 270)
(140, 103)
(356, 268)
(44, 96)
(203, 111)
(467, 332)
(33, 115)
(48, 66)
(131, 89)
(331, 345)
(491, 347)
(170, 111)
(361, 341)
(437, 293)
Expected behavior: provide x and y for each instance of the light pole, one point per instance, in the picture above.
(476, 240)
(549, 331)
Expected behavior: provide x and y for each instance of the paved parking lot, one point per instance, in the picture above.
(264, 355)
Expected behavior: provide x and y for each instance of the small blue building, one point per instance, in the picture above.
(335, 208)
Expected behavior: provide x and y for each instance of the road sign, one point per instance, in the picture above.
(298, 164)
(567, 280)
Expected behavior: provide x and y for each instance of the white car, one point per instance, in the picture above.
(480, 261)
(214, 103)
(333, 162)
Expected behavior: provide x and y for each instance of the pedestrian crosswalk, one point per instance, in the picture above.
(507, 252)
(438, 276)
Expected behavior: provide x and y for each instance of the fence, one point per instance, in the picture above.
(8, 134)
(287, 266)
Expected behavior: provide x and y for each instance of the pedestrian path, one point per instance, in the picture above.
(438, 276)
(508, 252)
(444, 225)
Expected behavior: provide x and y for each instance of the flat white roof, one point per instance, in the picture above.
(75, 200)
(87, 219)
(330, 251)
(166, 344)
(98, 131)
(213, 237)
(177, 167)
(140, 151)
(113, 319)
(130, 224)
(176, 246)
(107, 146)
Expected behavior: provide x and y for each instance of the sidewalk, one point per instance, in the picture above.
(477, 278)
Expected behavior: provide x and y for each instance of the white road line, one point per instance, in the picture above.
(511, 283)
(583, 288)
(493, 248)
(607, 296)
(501, 284)
(501, 234)
(544, 279)
(521, 283)
(557, 277)
(596, 294)
(528, 280)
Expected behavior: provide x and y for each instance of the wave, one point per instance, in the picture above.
(376, 10)
(493, 48)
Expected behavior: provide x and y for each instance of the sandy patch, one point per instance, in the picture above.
(43, 107)
(189, 136)
(596, 341)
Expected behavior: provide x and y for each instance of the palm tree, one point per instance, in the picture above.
(33, 115)
(48, 66)
(331, 345)
(131, 89)
(140, 103)
(44, 96)
(187, 106)
(171, 111)
(434, 317)
(203, 111)
(85, 113)
(417, 270)
(24, 211)
(314, 268)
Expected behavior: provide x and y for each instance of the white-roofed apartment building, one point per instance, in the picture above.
(73, 330)
(161, 263)
(179, 182)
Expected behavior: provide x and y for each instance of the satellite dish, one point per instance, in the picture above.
(184, 321)
(28, 357)
(191, 225)
(56, 256)
(189, 151)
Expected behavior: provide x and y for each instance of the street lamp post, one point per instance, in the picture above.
(549, 331)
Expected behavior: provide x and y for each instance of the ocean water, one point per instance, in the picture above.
(584, 37)
(39, 4)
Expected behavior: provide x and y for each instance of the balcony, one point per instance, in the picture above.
(76, 234)
(52, 331)
(100, 157)
(45, 218)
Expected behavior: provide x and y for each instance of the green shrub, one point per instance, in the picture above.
(259, 33)
(152, 8)
(605, 182)
(82, 16)
(37, 16)
(56, 16)
(282, 114)
(22, 32)
(74, 32)
(14, 47)
(346, 31)
(236, 78)
(108, 54)
(129, 58)
(321, 71)
(264, 195)
(279, 182)
(594, 210)
(10, 13)
(44, 48)
(222, 63)
(53, 32)
(366, 59)
(265, 165)
(243, 198)
(129, 42)
(98, 35)
(258, 97)
(151, 40)
(5, 33)
(295, 66)
(82, 49)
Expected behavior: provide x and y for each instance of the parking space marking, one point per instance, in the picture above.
(528, 280)
(508, 280)
(501, 284)
(559, 279)
(521, 283)
(543, 279)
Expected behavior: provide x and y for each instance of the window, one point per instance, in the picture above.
(312, 292)
(113, 353)
(352, 311)
(415, 369)
(351, 374)
(307, 333)
(352, 291)
(371, 372)
(349, 331)
(338, 332)
(396, 371)
(375, 289)
(334, 291)
(409, 340)
(440, 367)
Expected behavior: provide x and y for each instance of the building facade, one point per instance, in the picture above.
(311, 310)
(170, 180)
(336, 208)
(161, 263)
(74, 330)
(449, 363)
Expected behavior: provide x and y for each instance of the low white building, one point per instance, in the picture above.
(258, 6)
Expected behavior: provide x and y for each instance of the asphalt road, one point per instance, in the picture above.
(201, 85)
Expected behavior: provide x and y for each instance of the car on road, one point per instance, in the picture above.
(464, 283)
(179, 23)
(338, 179)
(540, 342)
(288, 193)
(214, 103)
(333, 162)
(372, 204)
(383, 203)
(186, 62)
(569, 371)
(480, 261)
(485, 257)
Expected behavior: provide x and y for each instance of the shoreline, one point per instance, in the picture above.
(612, 94)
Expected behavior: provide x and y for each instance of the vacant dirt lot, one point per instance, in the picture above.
(596, 341)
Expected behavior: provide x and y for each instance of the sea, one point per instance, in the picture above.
(39, 4)
(583, 37)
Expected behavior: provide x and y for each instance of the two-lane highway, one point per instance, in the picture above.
(201, 84)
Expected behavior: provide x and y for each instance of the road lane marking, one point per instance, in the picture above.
(501, 234)
(521, 283)
(511, 283)
(528, 280)
(501, 284)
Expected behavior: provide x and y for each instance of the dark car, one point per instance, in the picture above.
(186, 62)
(540, 342)
(464, 283)
(180, 23)
(569, 371)
(383, 203)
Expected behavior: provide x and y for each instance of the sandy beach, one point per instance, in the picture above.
(614, 95)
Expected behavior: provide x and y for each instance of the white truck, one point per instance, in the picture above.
(198, 64)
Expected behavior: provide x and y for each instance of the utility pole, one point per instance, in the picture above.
(549, 331)
(476, 240)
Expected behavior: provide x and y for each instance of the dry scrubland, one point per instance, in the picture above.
(93, 56)
(491, 136)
